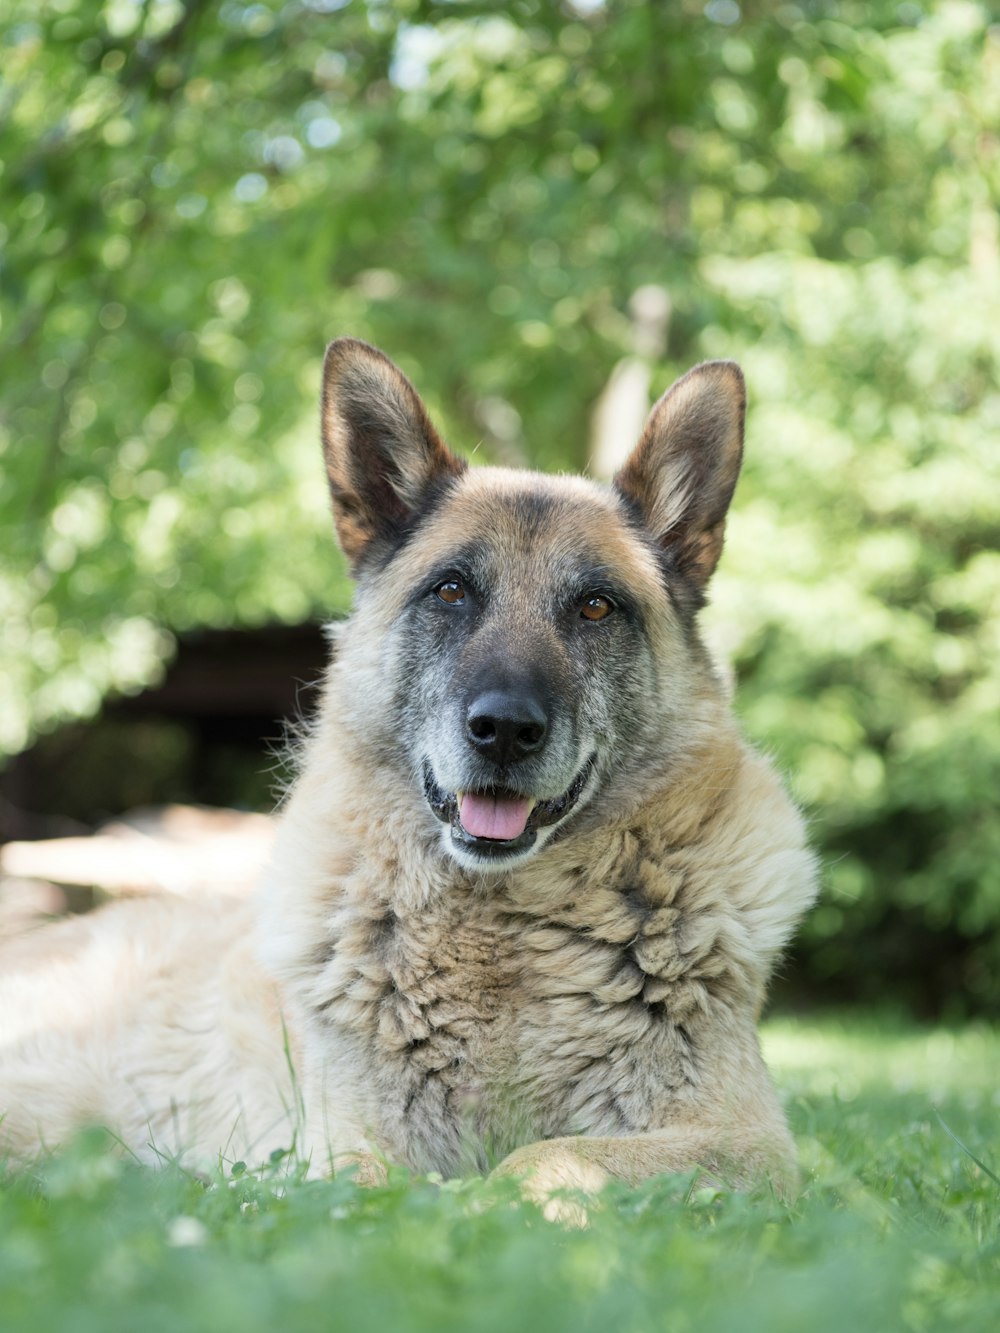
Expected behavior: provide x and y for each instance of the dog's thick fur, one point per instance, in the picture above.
(575, 996)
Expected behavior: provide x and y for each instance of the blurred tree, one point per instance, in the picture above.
(195, 196)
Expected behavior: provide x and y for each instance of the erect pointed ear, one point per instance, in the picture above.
(682, 473)
(383, 456)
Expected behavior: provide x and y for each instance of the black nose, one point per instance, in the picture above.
(506, 725)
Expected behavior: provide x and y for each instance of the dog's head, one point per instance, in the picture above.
(524, 645)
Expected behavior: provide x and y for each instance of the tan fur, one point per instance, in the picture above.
(389, 408)
(684, 490)
(152, 1018)
(538, 1008)
(589, 1012)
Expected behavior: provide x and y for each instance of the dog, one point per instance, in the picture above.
(530, 881)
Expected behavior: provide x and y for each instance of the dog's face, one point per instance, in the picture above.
(536, 633)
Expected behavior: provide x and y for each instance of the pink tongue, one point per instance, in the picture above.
(499, 817)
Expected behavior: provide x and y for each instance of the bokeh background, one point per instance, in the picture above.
(531, 207)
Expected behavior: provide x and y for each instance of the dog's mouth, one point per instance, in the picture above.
(497, 822)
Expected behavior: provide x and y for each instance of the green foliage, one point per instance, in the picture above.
(897, 1228)
(868, 631)
(195, 196)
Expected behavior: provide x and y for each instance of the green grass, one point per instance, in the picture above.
(897, 1226)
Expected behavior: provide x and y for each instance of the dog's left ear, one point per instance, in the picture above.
(383, 456)
(683, 471)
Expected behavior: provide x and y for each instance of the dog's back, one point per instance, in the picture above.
(150, 1018)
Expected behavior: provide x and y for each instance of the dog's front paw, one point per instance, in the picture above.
(363, 1167)
(548, 1168)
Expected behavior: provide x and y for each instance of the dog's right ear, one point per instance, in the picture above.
(383, 456)
(682, 473)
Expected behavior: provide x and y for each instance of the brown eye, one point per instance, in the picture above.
(450, 592)
(596, 608)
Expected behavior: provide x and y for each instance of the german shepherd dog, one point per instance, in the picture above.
(530, 882)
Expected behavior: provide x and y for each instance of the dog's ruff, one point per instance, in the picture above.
(576, 999)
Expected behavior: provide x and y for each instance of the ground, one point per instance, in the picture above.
(897, 1227)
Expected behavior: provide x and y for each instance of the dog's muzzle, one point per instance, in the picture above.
(447, 807)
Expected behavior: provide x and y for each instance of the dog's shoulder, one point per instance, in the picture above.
(700, 886)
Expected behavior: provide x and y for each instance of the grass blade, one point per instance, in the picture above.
(967, 1150)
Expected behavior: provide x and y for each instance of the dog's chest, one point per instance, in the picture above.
(423, 1008)
(479, 1028)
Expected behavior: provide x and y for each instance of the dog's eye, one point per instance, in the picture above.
(596, 608)
(450, 592)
